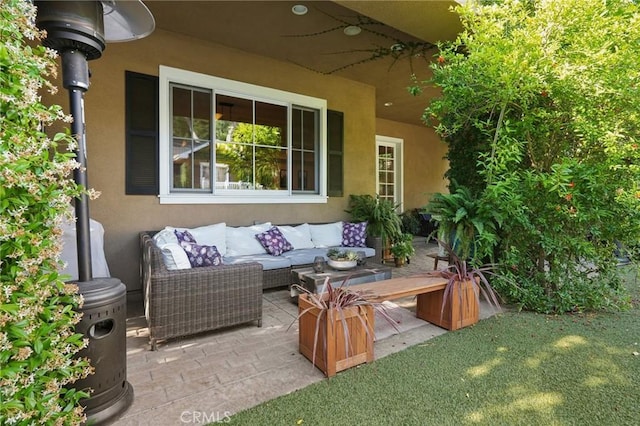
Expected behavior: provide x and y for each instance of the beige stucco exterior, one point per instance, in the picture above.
(123, 217)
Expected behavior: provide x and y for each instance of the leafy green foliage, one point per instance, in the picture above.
(37, 309)
(548, 94)
(411, 222)
(403, 248)
(380, 214)
(467, 223)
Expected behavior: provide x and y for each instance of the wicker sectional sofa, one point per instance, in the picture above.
(181, 301)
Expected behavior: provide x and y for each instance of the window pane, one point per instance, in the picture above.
(268, 135)
(201, 115)
(237, 162)
(304, 156)
(272, 117)
(296, 128)
(296, 170)
(181, 99)
(309, 130)
(191, 128)
(309, 174)
(181, 163)
(268, 167)
(202, 155)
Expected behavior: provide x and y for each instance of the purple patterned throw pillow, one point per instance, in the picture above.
(199, 255)
(202, 255)
(274, 242)
(184, 236)
(354, 234)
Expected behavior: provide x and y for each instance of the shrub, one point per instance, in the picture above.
(547, 92)
(37, 309)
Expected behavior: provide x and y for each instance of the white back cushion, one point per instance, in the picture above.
(211, 235)
(166, 236)
(242, 240)
(326, 235)
(298, 236)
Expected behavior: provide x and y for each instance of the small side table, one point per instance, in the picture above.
(436, 257)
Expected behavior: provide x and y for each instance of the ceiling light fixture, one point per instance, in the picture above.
(299, 9)
(388, 104)
(352, 30)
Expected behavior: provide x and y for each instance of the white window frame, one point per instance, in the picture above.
(169, 75)
(398, 145)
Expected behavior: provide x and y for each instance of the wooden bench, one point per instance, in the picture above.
(430, 294)
(397, 288)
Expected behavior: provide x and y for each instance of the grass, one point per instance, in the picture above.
(513, 369)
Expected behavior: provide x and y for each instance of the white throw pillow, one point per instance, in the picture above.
(326, 235)
(175, 257)
(298, 236)
(211, 235)
(242, 241)
(166, 236)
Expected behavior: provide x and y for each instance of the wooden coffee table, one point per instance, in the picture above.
(315, 281)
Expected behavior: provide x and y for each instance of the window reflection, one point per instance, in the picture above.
(252, 149)
(191, 130)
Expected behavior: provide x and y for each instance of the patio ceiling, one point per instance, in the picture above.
(396, 39)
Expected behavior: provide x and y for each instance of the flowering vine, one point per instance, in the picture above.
(38, 310)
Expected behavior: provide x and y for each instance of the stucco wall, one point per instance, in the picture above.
(123, 217)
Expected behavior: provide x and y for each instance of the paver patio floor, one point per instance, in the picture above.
(199, 379)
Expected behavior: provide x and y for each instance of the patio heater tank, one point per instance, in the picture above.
(76, 29)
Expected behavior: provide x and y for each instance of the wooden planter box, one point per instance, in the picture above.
(461, 310)
(331, 356)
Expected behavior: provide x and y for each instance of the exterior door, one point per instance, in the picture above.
(389, 168)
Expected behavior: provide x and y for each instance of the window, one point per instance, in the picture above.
(223, 141)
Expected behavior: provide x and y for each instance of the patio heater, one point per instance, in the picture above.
(78, 30)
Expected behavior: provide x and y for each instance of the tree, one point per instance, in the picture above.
(37, 309)
(550, 91)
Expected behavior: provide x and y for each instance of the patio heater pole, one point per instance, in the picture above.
(78, 31)
(75, 76)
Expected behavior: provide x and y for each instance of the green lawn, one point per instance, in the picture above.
(517, 368)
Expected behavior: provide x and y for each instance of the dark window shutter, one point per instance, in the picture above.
(141, 130)
(335, 150)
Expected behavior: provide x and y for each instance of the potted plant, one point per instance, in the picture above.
(342, 259)
(403, 249)
(457, 305)
(336, 327)
(383, 220)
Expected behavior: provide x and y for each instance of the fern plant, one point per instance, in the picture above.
(380, 214)
(467, 223)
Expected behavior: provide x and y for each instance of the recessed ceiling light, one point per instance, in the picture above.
(352, 30)
(388, 104)
(299, 9)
